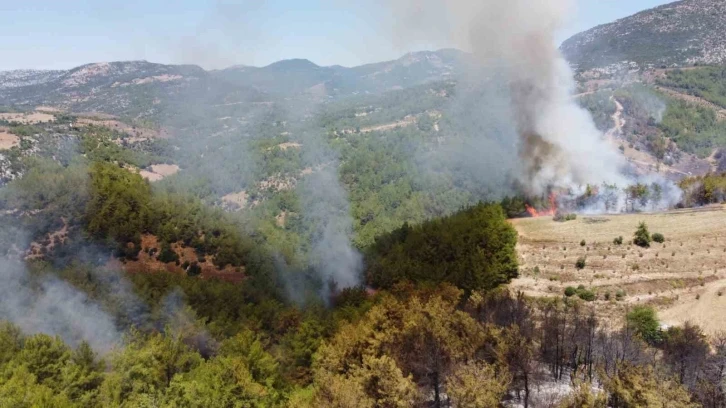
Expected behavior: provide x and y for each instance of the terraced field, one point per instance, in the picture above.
(684, 278)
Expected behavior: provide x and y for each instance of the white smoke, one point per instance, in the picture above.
(559, 144)
(327, 209)
(53, 307)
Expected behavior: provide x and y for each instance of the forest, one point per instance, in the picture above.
(221, 306)
(705, 82)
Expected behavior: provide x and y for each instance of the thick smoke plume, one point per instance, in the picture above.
(327, 209)
(558, 143)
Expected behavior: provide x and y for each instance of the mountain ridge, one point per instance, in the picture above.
(682, 33)
(136, 87)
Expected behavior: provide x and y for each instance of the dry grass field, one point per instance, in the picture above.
(684, 278)
(8, 140)
(27, 118)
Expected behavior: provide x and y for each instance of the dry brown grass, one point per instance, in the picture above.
(668, 276)
(8, 140)
(27, 118)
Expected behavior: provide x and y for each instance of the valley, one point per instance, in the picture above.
(447, 229)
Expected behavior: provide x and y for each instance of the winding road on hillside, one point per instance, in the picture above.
(641, 159)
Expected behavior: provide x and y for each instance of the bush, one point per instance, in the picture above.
(587, 295)
(581, 263)
(620, 295)
(641, 237)
(583, 243)
(581, 292)
(618, 241)
(167, 255)
(194, 269)
(560, 217)
(658, 237)
(645, 322)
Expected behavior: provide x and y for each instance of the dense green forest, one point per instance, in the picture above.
(695, 129)
(708, 83)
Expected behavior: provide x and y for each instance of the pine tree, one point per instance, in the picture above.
(642, 236)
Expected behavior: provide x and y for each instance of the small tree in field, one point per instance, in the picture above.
(642, 236)
(658, 237)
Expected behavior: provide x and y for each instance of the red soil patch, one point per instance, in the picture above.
(149, 264)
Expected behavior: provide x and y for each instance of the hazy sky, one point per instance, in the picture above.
(56, 34)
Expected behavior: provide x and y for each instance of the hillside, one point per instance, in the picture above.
(676, 34)
(299, 236)
(136, 89)
(142, 89)
(303, 76)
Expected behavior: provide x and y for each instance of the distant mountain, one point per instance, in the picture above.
(302, 76)
(676, 34)
(129, 88)
(142, 89)
(26, 77)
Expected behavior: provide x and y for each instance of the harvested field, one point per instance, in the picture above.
(158, 172)
(683, 278)
(8, 140)
(27, 118)
(48, 109)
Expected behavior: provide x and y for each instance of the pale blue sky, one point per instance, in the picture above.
(57, 34)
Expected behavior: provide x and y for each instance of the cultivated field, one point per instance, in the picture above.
(683, 278)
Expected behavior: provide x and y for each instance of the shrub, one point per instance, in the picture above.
(641, 237)
(618, 241)
(194, 269)
(581, 263)
(583, 243)
(560, 217)
(587, 295)
(607, 295)
(167, 255)
(620, 295)
(658, 237)
(645, 322)
(570, 291)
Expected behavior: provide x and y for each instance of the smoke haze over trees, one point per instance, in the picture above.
(303, 236)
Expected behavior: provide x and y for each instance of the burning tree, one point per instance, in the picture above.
(549, 212)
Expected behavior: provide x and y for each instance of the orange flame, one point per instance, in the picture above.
(550, 212)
